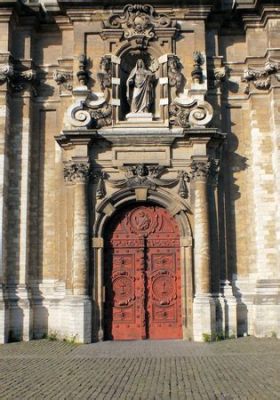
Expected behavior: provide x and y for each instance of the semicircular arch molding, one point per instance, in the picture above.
(177, 207)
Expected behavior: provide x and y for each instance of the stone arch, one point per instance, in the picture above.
(174, 204)
(180, 210)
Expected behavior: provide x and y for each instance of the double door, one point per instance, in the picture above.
(142, 276)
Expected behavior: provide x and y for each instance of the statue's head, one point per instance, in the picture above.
(141, 170)
(140, 63)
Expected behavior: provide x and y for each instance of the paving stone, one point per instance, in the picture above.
(246, 368)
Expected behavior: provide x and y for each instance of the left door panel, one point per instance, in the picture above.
(124, 291)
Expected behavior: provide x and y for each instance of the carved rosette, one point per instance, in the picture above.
(76, 172)
(190, 114)
(261, 78)
(200, 169)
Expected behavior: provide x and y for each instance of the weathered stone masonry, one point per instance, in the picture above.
(72, 155)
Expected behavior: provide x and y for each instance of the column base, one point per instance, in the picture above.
(228, 307)
(76, 319)
(20, 313)
(4, 318)
(204, 318)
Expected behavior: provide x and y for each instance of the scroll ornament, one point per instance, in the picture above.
(94, 112)
(188, 113)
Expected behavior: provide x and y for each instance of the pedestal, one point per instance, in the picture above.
(3, 318)
(204, 317)
(139, 117)
(76, 318)
(230, 311)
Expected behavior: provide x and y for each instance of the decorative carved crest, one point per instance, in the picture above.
(188, 114)
(76, 172)
(138, 22)
(142, 175)
(261, 78)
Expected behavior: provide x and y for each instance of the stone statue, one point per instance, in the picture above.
(139, 88)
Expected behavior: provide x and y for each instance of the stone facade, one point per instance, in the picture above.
(71, 158)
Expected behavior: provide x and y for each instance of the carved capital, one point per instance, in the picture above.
(220, 74)
(200, 169)
(64, 79)
(76, 172)
(6, 72)
(261, 77)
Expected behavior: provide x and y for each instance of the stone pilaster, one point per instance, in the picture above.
(76, 320)
(5, 71)
(203, 306)
(77, 173)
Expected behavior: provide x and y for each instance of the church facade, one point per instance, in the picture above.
(140, 169)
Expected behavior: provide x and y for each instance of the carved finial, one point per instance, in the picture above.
(197, 71)
(82, 74)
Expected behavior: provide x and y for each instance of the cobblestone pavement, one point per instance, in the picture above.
(234, 369)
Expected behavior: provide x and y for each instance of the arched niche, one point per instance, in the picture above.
(122, 64)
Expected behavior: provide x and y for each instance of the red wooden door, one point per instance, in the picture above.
(142, 276)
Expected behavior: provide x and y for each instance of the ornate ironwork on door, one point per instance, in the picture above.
(142, 275)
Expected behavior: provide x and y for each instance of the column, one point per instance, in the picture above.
(5, 71)
(77, 307)
(203, 306)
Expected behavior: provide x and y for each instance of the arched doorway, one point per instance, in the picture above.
(142, 275)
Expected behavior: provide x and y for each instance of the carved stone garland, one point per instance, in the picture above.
(142, 175)
(261, 78)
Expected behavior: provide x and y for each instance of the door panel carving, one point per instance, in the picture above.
(142, 275)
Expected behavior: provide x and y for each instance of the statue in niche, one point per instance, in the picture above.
(139, 88)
